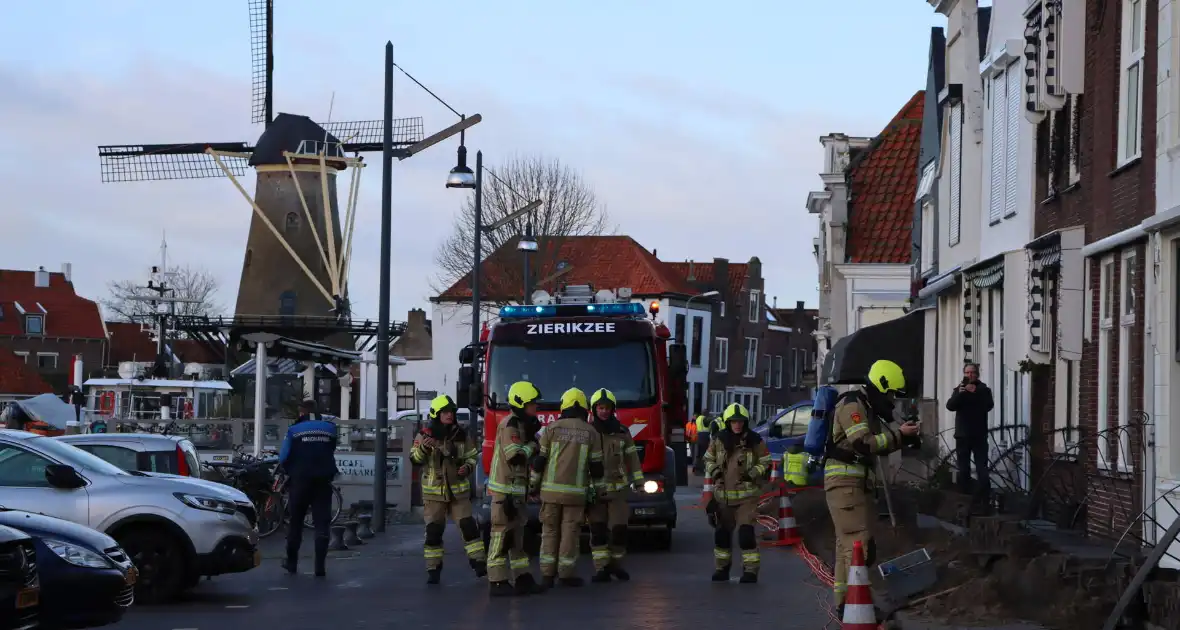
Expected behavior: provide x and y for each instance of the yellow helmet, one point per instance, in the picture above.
(735, 412)
(603, 396)
(522, 393)
(573, 397)
(887, 377)
(441, 404)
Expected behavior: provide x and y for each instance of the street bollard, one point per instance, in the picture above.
(336, 540)
(350, 537)
(364, 530)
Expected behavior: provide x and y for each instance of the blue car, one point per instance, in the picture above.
(86, 579)
(786, 429)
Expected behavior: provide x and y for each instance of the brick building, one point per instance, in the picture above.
(45, 323)
(792, 336)
(1095, 178)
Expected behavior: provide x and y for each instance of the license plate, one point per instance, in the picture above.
(645, 511)
(27, 598)
(257, 557)
(131, 576)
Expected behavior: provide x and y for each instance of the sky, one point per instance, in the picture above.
(698, 127)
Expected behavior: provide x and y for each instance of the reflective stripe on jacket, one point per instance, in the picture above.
(511, 478)
(570, 445)
(731, 458)
(440, 465)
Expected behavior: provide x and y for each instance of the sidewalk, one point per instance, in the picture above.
(396, 541)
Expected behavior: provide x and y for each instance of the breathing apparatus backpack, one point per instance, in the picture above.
(819, 430)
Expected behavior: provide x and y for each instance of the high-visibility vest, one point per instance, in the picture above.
(795, 468)
(690, 432)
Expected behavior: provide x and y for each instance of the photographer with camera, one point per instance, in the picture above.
(972, 401)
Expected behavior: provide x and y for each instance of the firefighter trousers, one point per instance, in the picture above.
(506, 555)
(436, 514)
(561, 530)
(739, 517)
(608, 530)
(851, 510)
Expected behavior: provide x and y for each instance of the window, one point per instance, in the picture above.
(23, 356)
(405, 396)
(778, 371)
(47, 360)
(766, 370)
(124, 458)
(698, 397)
(1131, 80)
(1127, 278)
(626, 368)
(678, 334)
(751, 357)
(755, 305)
(794, 423)
(1013, 74)
(955, 155)
(698, 325)
(34, 324)
(291, 224)
(287, 303)
(722, 346)
(21, 469)
(1106, 307)
(928, 243)
(722, 313)
(1066, 410)
(998, 142)
(716, 400)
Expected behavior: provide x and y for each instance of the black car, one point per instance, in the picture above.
(86, 578)
(19, 586)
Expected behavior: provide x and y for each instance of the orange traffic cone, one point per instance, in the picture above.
(859, 613)
(788, 530)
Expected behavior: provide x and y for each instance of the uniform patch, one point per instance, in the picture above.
(515, 438)
(856, 417)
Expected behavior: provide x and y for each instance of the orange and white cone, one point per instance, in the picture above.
(776, 468)
(859, 613)
(788, 530)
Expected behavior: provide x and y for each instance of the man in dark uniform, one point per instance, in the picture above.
(309, 457)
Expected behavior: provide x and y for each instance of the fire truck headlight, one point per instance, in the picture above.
(651, 486)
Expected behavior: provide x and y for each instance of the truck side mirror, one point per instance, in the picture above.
(475, 392)
(467, 356)
(463, 388)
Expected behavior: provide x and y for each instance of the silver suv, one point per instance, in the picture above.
(175, 529)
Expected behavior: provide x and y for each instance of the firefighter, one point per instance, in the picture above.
(568, 466)
(508, 484)
(308, 455)
(448, 459)
(621, 469)
(858, 436)
(738, 462)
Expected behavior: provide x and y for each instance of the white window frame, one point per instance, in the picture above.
(766, 374)
(928, 235)
(716, 400)
(30, 317)
(47, 354)
(1126, 328)
(1066, 415)
(722, 312)
(1130, 130)
(955, 155)
(778, 371)
(24, 356)
(751, 357)
(1106, 280)
(755, 306)
(721, 347)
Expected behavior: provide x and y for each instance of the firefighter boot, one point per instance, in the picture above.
(433, 576)
(749, 577)
(571, 581)
(321, 556)
(619, 573)
(548, 581)
(501, 589)
(722, 574)
(602, 576)
(526, 585)
(480, 567)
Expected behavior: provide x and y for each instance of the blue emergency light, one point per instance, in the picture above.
(566, 310)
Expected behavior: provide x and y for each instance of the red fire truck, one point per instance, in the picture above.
(587, 339)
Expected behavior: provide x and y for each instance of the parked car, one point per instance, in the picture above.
(87, 580)
(789, 428)
(175, 529)
(145, 452)
(20, 589)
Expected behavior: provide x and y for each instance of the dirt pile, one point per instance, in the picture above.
(1024, 581)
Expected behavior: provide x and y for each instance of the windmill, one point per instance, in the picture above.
(298, 249)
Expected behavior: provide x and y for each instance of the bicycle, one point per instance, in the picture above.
(283, 487)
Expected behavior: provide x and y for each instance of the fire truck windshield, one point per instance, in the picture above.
(627, 369)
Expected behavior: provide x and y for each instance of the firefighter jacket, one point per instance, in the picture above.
(857, 438)
(515, 443)
(620, 457)
(738, 465)
(453, 450)
(570, 459)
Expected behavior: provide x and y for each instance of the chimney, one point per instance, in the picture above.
(67, 270)
(775, 305)
(692, 277)
(721, 276)
(799, 305)
(41, 278)
(654, 252)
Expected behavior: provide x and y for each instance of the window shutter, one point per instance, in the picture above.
(1013, 130)
(956, 141)
(998, 139)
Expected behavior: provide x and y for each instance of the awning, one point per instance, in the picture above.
(1048, 256)
(988, 276)
(940, 284)
(900, 340)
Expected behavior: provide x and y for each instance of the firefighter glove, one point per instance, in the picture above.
(711, 507)
(428, 442)
(510, 509)
(464, 470)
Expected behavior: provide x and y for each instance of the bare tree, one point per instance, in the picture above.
(186, 282)
(569, 208)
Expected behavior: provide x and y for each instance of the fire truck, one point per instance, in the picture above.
(590, 340)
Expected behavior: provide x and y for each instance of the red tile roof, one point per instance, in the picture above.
(17, 377)
(883, 184)
(129, 342)
(704, 274)
(66, 313)
(606, 262)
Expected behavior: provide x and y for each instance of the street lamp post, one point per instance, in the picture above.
(706, 294)
(527, 245)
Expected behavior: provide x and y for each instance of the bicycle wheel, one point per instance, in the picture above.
(337, 507)
(272, 511)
